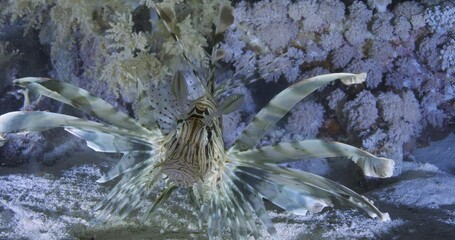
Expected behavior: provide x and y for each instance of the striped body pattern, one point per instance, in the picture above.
(185, 149)
(193, 150)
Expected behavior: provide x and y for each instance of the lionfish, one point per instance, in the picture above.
(227, 185)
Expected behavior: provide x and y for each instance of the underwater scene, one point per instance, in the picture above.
(217, 119)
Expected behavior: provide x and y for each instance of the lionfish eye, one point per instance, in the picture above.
(209, 132)
(199, 111)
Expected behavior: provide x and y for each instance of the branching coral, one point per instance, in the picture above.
(305, 120)
(7, 64)
(361, 113)
(404, 46)
(407, 48)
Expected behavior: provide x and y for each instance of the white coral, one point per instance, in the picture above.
(402, 114)
(361, 112)
(441, 19)
(379, 5)
(305, 120)
(448, 57)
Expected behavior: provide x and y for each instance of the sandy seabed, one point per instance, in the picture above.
(57, 204)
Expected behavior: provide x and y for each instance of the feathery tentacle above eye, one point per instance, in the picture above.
(83, 100)
(179, 87)
(100, 137)
(130, 192)
(371, 165)
(283, 102)
(231, 104)
(232, 205)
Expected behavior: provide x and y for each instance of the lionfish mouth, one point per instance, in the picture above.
(181, 173)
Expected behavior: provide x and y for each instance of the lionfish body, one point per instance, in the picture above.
(194, 150)
(185, 149)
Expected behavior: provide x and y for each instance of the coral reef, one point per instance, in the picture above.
(8, 61)
(406, 47)
(103, 48)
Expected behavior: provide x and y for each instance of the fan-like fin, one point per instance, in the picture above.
(244, 216)
(130, 193)
(99, 136)
(229, 207)
(144, 109)
(166, 107)
(283, 102)
(81, 99)
(287, 197)
(160, 200)
(179, 87)
(238, 219)
(257, 205)
(313, 192)
(129, 161)
(371, 165)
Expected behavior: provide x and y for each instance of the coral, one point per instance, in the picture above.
(373, 68)
(361, 112)
(332, 40)
(336, 99)
(270, 67)
(427, 54)
(401, 46)
(316, 15)
(441, 18)
(448, 57)
(8, 62)
(375, 141)
(22, 148)
(277, 35)
(432, 115)
(342, 56)
(402, 28)
(413, 11)
(117, 43)
(305, 120)
(405, 47)
(29, 11)
(380, 6)
(292, 68)
(358, 32)
(402, 114)
(408, 73)
(382, 27)
(233, 45)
